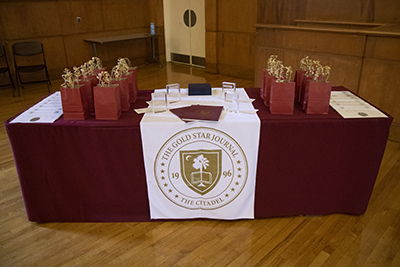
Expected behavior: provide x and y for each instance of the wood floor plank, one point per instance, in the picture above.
(389, 229)
(318, 243)
(268, 248)
(372, 239)
(364, 230)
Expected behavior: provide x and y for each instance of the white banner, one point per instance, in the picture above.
(201, 169)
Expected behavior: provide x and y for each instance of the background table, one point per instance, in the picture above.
(127, 37)
(93, 171)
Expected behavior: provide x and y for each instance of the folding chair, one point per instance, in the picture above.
(4, 67)
(29, 57)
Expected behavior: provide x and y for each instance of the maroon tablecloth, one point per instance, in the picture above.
(93, 171)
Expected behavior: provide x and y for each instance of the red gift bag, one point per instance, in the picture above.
(268, 79)
(316, 98)
(107, 102)
(282, 97)
(93, 79)
(298, 79)
(88, 89)
(134, 82)
(133, 85)
(304, 84)
(74, 103)
(124, 92)
(262, 88)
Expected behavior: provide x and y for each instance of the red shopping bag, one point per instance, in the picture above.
(74, 103)
(262, 88)
(107, 102)
(298, 79)
(282, 97)
(304, 84)
(93, 79)
(133, 85)
(268, 79)
(316, 98)
(124, 92)
(88, 90)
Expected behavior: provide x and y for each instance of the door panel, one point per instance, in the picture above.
(185, 31)
(198, 34)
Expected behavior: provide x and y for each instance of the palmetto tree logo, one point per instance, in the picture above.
(200, 163)
(201, 169)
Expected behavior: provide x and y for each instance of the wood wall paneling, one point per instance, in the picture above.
(345, 70)
(380, 85)
(211, 15)
(387, 11)
(236, 71)
(383, 48)
(280, 11)
(138, 51)
(235, 39)
(285, 11)
(340, 10)
(266, 37)
(123, 14)
(78, 51)
(211, 25)
(156, 10)
(211, 47)
(22, 20)
(90, 12)
(237, 16)
(236, 50)
(344, 44)
(55, 52)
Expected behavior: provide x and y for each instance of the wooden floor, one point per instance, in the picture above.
(372, 239)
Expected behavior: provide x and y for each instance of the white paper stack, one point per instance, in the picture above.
(349, 105)
(46, 111)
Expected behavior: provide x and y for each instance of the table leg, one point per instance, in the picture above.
(153, 49)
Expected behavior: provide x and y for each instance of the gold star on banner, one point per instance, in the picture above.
(239, 176)
(239, 169)
(162, 171)
(238, 162)
(233, 189)
(165, 184)
(226, 195)
(162, 164)
(237, 183)
(162, 177)
(176, 196)
(170, 190)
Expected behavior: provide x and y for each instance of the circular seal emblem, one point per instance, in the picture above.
(201, 168)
